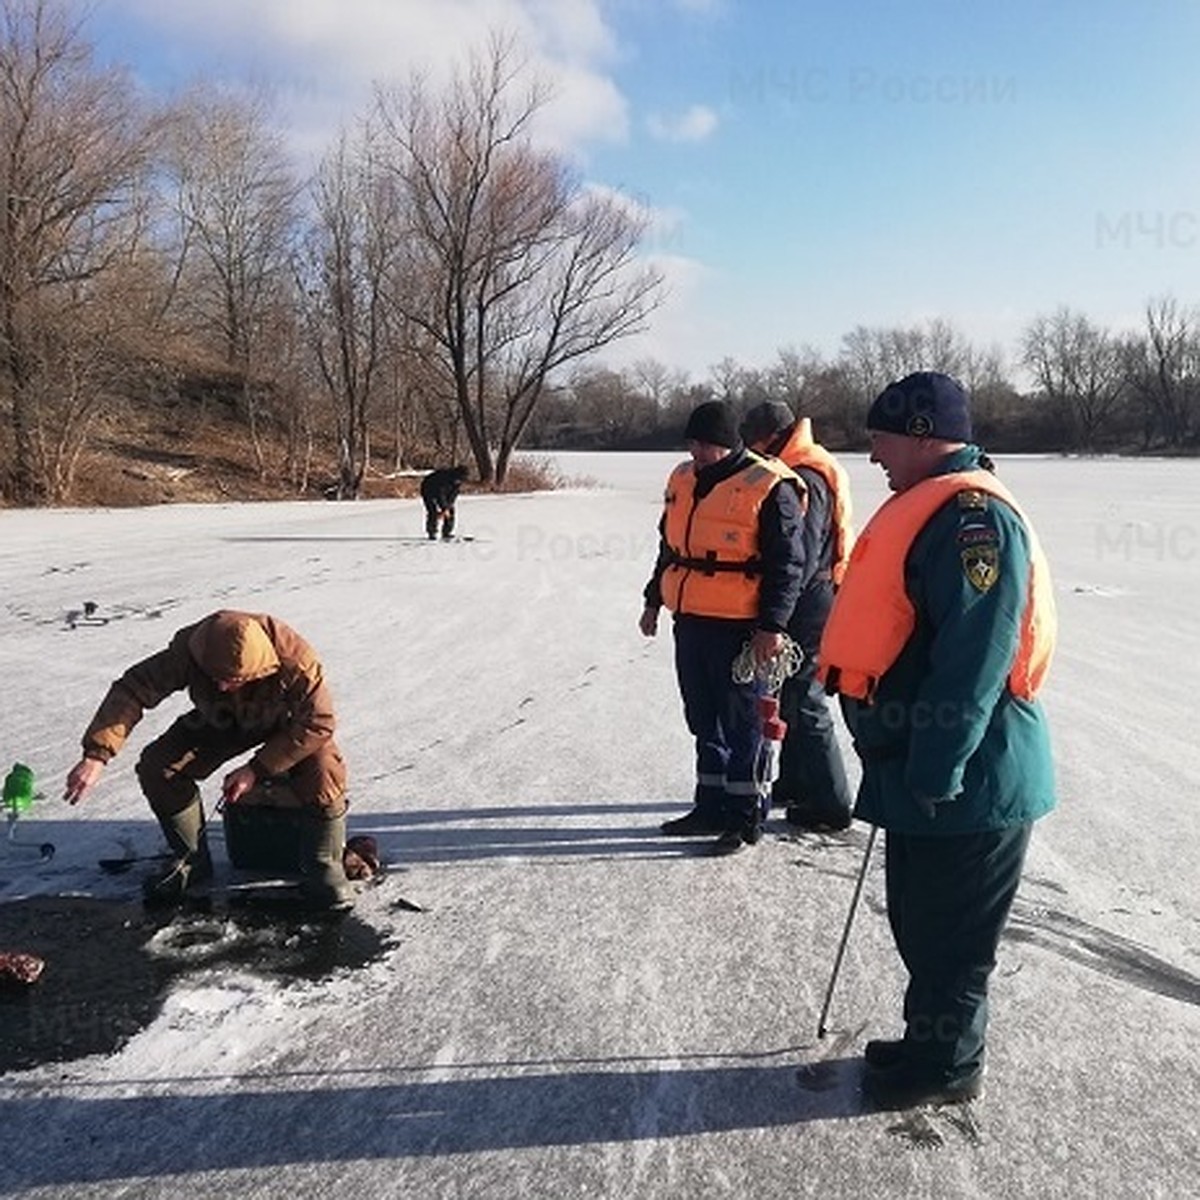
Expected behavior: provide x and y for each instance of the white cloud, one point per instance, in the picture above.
(678, 334)
(631, 205)
(587, 107)
(694, 125)
(323, 56)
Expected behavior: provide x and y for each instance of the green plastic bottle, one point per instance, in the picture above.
(18, 789)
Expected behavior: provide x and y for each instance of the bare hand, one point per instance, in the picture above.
(648, 621)
(765, 644)
(237, 784)
(83, 775)
(928, 804)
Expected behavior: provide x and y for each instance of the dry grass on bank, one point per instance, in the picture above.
(212, 462)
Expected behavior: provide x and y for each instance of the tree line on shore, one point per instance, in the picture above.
(1091, 391)
(439, 288)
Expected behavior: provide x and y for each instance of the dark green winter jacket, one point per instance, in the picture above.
(943, 724)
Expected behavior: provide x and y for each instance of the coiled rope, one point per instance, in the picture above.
(772, 672)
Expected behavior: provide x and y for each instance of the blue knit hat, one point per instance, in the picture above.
(925, 404)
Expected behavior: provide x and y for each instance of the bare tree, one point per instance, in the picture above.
(726, 378)
(873, 357)
(343, 272)
(1163, 370)
(876, 356)
(421, 410)
(609, 408)
(73, 145)
(1077, 365)
(511, 268)
(945, 348)
(983, 370)
(234, 196)
(656, 381)
(787, 375)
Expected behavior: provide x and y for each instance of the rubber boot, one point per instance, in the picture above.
(323, 881)
(192, 863)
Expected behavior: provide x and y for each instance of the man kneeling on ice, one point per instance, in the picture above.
(255, 684)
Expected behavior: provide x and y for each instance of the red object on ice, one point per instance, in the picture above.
(360, 858)
(23, 969)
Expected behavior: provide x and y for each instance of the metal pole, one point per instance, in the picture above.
(822, 1030)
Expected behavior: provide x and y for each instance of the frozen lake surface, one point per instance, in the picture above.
(583, 1008)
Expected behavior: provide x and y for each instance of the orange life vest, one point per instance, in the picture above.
(801, 451)
(715, 569)
(872, 616)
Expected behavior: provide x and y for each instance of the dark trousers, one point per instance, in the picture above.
(435, 516)
(192, 749)
(948, 899)
(811, 771)
(721, 715)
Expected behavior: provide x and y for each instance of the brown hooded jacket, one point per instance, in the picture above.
(282, 697)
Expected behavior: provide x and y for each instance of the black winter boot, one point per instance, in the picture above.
(881, 1053)
(909, 1084)
(815, 820)
(696, 823)
(746, 831)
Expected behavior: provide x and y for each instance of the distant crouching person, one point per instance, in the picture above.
(439, 492)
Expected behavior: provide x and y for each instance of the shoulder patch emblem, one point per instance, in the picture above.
(972, 499)
(981, 566)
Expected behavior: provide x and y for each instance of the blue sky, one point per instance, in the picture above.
(810, 167)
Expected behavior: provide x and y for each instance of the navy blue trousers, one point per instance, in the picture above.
(811, 771)
(721, 715)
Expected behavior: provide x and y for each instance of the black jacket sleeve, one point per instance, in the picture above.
(652, 592)
(782, 550)
(816, 533)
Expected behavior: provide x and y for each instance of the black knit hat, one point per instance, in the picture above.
(766, 419)
(712, 422)
(925, 404)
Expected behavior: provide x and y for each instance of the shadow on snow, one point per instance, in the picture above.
(157, 1134)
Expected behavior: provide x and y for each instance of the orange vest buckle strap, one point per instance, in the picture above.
(710, 564)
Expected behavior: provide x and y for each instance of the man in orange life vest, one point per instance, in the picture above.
(938, 641)
(812, 785)
(730, 566)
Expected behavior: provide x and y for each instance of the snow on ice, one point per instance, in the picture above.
(581, 1007)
